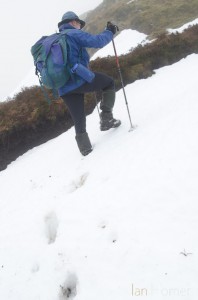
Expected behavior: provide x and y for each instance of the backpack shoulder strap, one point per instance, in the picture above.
(65, 44)
(65, 31)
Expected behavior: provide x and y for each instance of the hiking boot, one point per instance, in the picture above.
(107, 121)
(83, 143)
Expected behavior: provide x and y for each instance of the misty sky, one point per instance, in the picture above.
(22, 23)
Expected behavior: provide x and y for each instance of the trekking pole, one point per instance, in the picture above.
(121, 79)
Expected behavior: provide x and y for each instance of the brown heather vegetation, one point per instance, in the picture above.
(149, 16)
(28, 120)
(143, 60)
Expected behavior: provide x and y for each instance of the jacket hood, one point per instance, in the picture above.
(66, 26)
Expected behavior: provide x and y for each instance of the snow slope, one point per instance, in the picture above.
(124, 42)
(30, 80)
(120, 223)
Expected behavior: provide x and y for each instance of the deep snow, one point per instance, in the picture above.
(117, 224)
(120, 223)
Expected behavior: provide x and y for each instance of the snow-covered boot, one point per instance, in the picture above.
(83, 143)
(107, 121)
(106, 117)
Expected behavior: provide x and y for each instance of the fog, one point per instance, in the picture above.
(22, 23)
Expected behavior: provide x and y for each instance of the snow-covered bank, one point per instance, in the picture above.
(30, 80)
(124, 41)
(185, 26)
(119, 223)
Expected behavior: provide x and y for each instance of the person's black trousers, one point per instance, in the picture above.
(75, 99)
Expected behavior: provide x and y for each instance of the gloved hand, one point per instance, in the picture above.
(111, 27)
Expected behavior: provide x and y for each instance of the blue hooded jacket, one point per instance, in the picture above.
(78, 40)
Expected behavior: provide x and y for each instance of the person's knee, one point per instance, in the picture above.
(111, 85)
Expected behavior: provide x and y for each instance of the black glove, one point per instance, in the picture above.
(111, 27)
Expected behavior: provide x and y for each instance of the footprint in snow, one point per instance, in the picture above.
(102, 224)
(112, 235)
(68, 290)
(51, 227)
(78, 183)
(35, 268)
